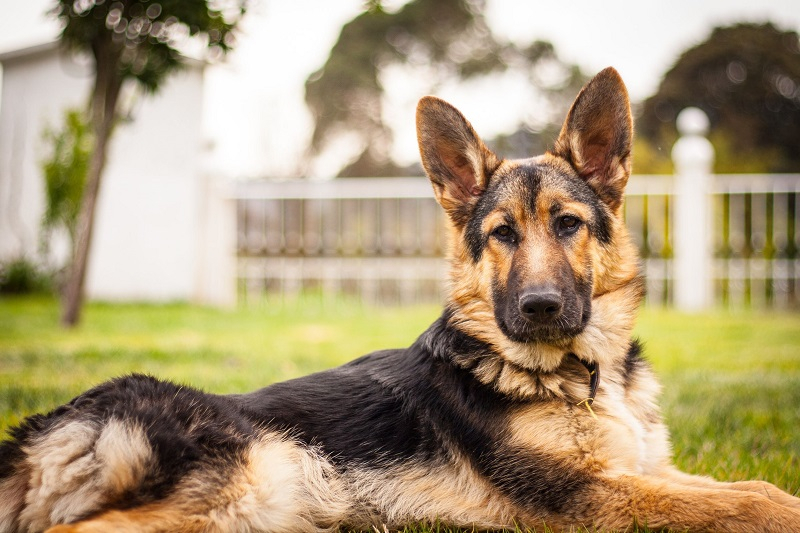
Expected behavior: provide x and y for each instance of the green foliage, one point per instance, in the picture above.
(746, 77)
(129, 40)
(22, 276)
(140, 37)
(447, 39)
(651, 159)
(64, 172)
(731, 157)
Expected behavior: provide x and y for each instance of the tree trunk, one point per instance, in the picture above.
(108, 83)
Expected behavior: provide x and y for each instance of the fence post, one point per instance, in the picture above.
(215, 277)
(693, 157)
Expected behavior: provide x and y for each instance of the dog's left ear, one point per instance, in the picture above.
(597, 135)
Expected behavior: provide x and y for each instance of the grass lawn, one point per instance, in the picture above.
(731, 380)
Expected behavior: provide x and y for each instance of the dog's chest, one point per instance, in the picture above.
(617, 438)
(623, 439)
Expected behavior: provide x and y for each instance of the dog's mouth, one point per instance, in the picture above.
(559, 332)
(543, 317)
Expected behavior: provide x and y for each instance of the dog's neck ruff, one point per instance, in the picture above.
(566, 382)
(527, 371)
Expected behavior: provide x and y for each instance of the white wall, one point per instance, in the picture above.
(36, 87)
(144, 242)
(152, 222)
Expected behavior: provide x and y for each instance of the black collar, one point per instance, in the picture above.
(594, 378)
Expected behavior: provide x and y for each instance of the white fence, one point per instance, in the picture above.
(379, 238)
(383, 239)
(753, 257)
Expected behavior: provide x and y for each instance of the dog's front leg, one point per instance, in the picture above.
(614, 503)
(760, 487)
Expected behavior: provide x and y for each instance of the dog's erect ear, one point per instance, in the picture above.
(457, 162)
(597, 135)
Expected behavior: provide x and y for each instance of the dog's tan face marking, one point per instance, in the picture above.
(534, 241)
(531, 235)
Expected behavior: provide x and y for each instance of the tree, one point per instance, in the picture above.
(446, 39)
(130, 41)
(65, 170)
(746, 77)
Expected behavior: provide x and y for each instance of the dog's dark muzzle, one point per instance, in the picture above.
(542, 313)
(541, 305)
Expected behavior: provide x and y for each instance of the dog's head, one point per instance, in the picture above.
(535, 241)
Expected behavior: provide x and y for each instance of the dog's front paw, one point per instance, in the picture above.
(770, 491)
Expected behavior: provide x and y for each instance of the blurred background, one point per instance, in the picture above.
(281, 156)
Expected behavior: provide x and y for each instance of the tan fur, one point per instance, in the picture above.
(282, 486)
(616, 455)
(617, 442)
(660, 502)
(622, 445)
(12, 499)
(454, 494)
(79, 468)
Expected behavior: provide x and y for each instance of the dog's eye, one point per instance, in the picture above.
(505, 233)
(568, 224)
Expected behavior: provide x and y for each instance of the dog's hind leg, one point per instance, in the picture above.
(149, 519)
(73, 471)
(275, 485)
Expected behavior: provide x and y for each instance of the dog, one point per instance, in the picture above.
(526, 403)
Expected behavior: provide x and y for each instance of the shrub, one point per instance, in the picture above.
(21, 276)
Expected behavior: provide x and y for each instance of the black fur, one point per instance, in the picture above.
(395, 406)
(634, 362)
(389, 407)
(386, 407)
(474, 236)
(600, 225)
(357, 412)
(184, 426)
(534, 479)
(576, 314)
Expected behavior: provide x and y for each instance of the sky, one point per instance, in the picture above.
(255, 115)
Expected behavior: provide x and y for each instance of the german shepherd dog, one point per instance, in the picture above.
(526, 403)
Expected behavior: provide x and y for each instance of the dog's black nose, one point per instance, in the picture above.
(541, 304)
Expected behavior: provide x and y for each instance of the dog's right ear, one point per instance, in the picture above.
(457, 162)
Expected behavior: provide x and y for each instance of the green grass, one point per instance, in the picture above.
(222, 351)
(731, 380)
(731, 392)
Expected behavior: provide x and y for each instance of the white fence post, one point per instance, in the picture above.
(693, 157)
(215, 278)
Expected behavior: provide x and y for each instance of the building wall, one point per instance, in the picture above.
(145, 240)
(36, 87)
(151, 220)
